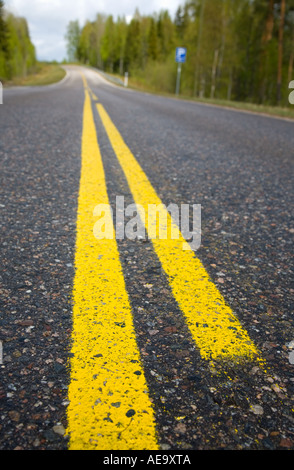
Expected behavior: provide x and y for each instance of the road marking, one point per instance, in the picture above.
(215, 329)
(109, 405)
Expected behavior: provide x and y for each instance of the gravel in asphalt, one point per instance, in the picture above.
(239, 167)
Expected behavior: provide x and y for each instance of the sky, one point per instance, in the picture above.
(48, 19)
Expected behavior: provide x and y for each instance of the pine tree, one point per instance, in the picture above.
(152, 41)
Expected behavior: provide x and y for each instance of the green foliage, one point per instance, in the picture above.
(17, 53)
(73, 38)
(232, 45)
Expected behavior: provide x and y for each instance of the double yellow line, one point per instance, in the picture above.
(109, 404)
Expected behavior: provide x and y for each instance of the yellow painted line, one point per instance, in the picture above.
(109, 405)
(215, 329)
(87, 88)
(94, 97)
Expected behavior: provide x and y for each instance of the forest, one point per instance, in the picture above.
(240, 50)
(17, 53)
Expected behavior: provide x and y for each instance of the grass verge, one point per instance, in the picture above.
(275, 111)
(45, 74)
(284, 112)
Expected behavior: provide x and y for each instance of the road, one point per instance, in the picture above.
(142, 343)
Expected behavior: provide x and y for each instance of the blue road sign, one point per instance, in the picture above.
(181, 54)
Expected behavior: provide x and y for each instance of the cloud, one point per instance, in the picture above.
(48, 19)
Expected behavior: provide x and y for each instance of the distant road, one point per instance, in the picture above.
(143, 344)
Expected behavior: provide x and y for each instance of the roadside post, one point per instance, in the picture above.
(126, 81)
(1, 93)
(181, 54)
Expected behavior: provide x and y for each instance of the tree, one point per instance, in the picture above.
(4, 46)
(3, 29)
(166, 35)
(236, 49)
(72, 37)
(133, 50)
(265, 40)
(280, 56)
(108, 44)
(17, 52)
(120, 37)
(152, 41)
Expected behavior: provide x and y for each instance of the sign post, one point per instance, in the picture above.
(181, 54)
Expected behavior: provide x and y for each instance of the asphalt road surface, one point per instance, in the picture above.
(133, 344)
